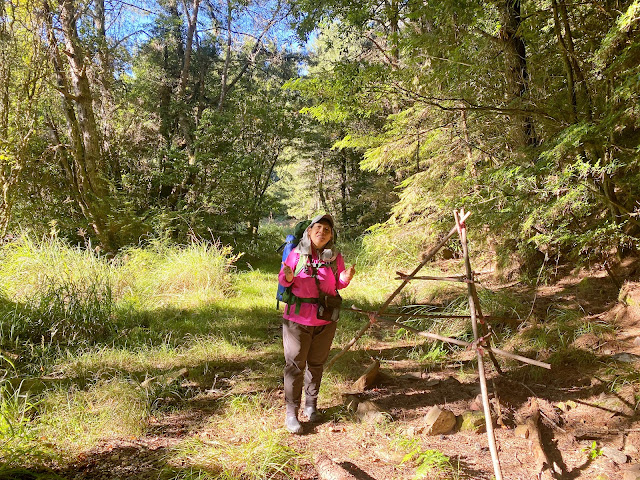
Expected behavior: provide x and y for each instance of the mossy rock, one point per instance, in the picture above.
(586, 285)
(630, 294)
(472, 421)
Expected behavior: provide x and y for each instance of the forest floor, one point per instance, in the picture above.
(588, 402)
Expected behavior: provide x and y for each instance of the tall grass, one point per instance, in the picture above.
(160, 275)
(56, 293)
(75, 420)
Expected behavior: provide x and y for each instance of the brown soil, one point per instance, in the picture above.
(577, 404)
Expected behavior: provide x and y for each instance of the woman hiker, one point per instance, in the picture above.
(315, 272)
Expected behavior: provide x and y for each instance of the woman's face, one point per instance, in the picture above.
(320, 234)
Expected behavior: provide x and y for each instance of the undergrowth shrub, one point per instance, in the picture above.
(28, 266)
(55, 293)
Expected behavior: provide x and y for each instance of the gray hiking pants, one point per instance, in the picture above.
(306, 349)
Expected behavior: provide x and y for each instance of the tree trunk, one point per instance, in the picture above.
(224, 78)
(227, 85)
(343, 188)
(320, 181)
(517, 72)
(183, 118)
(86, 175)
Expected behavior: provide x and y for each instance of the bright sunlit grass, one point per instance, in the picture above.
(76, 420)
(245, 440)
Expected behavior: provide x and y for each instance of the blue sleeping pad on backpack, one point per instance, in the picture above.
(290, 243)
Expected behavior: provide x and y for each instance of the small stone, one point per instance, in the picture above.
(636, 341)
(369, 412)
(614, 455)
(632, 472)
(438, 421)
(388, 456)
(626, 357)
(351, 401)
(476, 403)
(521, 431)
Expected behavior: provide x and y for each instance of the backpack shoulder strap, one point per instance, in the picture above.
(302, 263)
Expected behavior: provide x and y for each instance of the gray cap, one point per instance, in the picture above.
(326, 217)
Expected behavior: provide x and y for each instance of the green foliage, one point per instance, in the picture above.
(75, 420)
(429, 463)
(55, 294)
(546, 160)
(434, 353)
(593, 451)
(160, 274)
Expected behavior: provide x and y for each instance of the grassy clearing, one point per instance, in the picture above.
(93, 349)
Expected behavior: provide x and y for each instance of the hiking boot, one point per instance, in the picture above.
(312, 413)
(292, 424)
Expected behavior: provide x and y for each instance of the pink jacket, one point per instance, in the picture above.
(304, 286)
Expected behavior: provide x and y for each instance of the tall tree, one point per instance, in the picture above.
(22, 77)
(477, 113)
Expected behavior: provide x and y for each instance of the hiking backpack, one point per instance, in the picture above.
(290, 243)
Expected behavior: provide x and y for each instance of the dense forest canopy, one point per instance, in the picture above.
(122, 120)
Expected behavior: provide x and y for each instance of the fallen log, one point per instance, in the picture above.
(329, 470)
(368, 378)
(545, 469)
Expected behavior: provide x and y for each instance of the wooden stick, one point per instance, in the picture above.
(329, 470)
(455, 341)
(368, 378)
(508, 321)
(344, 350)
(461, 278)
(483, 325)
(426, 315)
(462, 231)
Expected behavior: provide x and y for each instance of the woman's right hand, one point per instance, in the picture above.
(288, 273)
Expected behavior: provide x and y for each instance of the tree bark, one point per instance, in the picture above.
(517, 72)
(183, 118)
(86, 175)
(343, 188)
(544, 467)
(329, 470)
